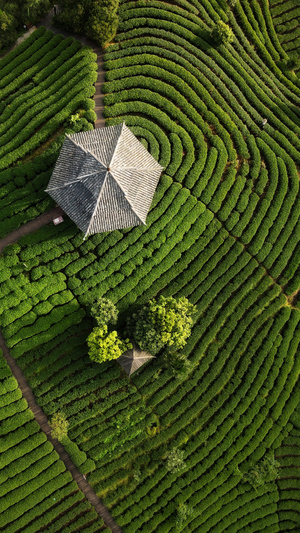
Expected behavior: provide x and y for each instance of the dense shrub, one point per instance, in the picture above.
(98, 20)
(104, 345)
(166, 322)
(222, 33)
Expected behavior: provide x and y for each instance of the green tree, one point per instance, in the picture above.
(104, 311)
(13, 15)
(73, 15)
(256, 476)
(59, 425)
(271, 467)
(166, 322)
(177, 364)
(105, 346)
(175, 462)
(103, 21)
(184, 511)
(98, 19)
(222, 33)
(8, 25)
(266, 470)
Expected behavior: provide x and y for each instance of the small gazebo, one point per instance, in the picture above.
(104, 179)
(133, 359)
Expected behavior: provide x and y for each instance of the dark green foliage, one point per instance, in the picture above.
(177, 364)
(97, 19)
(13, 15)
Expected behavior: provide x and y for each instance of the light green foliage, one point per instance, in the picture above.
(184, 511)
(105, 346)
(165, 322)
(175, 462)
(271, 466)
(223, 230)
(266, 470)
(104, 311)
(74, 118)
(137, 476)
(222, 33)
(231, 3)
(59, 425)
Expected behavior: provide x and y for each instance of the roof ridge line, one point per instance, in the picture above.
(73, 141)
(63, 185)
(95, 157)
(116, 181)
(112, 157)
(78, 180)
(86, 150)
(97, 203)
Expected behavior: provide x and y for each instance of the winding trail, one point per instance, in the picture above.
(30, 227)
(13, 237)
(42, 420)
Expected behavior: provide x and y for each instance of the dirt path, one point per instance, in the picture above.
(13, 237)
(41, 418)
(30, 227)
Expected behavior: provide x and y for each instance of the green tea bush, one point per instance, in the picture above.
(222, 231)
(32, 476)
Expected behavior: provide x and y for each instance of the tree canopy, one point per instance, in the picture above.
(14, 14)
(105, 346)
(97, 19)
(166, 322)
(59, 426)
(222, 33)
(104, 312)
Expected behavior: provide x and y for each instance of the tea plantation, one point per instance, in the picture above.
(171, 453)
(36, 490)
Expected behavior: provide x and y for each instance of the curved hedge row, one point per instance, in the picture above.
(35, 489)
(288, 482)
(222, 231)
(285, 18)
(42, 84)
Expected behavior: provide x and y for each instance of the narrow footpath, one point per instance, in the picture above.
(42, 420)
(30, 227)
(13, 237)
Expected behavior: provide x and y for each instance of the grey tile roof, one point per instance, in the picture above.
(104, 179)
(133, 359)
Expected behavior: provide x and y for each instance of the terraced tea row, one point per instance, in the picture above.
(222, 231)
(286, 20)
(43, 82)
(289, 479)
(36, 490)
